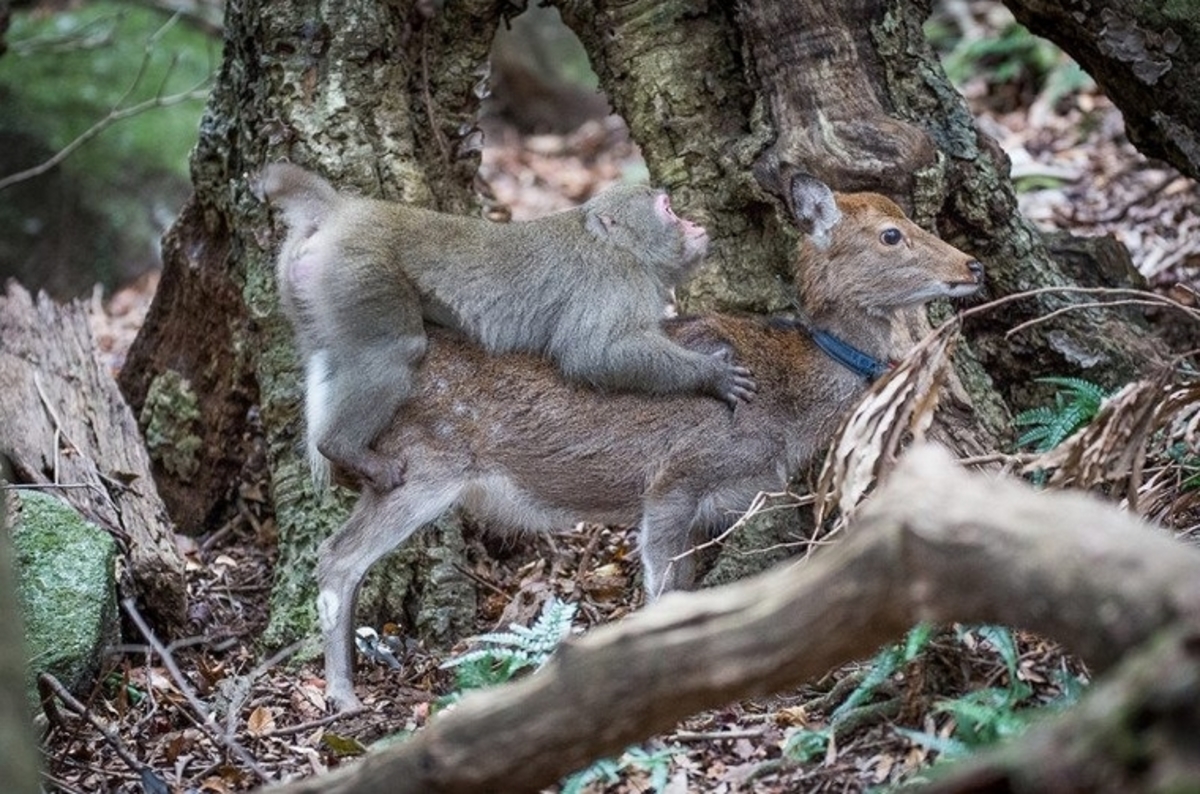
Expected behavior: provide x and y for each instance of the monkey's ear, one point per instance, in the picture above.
(813, 207)
(599, 224)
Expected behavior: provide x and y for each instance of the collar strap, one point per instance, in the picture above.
(850, 357)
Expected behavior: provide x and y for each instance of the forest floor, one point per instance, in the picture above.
(268, 718)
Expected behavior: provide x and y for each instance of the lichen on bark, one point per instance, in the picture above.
(169, 419)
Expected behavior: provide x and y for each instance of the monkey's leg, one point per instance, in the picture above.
(366, 387)
(665, 540)
(378, 524)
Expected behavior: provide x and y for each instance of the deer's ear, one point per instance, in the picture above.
(813, 207)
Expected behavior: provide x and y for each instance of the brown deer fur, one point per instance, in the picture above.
(511, 441)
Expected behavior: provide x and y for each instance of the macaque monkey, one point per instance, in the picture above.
(585, 288)
(515, 444)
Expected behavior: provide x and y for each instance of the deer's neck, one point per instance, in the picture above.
(869, 334)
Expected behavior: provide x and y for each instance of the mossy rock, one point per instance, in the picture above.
(66, 584)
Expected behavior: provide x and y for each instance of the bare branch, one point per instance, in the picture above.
(1135, 294)
(119, 113)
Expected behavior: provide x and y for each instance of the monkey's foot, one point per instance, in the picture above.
(369, 470)
(382, 474)
(743, 388)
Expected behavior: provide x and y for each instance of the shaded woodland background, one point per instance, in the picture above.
(1074, 170)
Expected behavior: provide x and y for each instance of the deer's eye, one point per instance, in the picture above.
(891, 236)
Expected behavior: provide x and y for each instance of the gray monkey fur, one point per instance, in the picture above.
(587, 288)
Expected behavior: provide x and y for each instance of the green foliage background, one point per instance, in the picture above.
(63, 72)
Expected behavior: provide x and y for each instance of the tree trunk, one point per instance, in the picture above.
(1145, 55)
(935, 544)
(377, 97)
(193, 351)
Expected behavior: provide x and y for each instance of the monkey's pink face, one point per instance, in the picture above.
(695, 238)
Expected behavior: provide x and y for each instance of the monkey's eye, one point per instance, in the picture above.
(891, 236)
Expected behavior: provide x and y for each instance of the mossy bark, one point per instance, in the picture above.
(408, 144)
(19, 761)
(67, 588)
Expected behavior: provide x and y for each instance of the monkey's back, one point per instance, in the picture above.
(518, 286)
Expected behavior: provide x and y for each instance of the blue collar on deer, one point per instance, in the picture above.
(862, 364)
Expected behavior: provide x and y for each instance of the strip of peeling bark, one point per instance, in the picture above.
(934, 544)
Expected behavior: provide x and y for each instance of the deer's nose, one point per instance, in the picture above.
(976, 268)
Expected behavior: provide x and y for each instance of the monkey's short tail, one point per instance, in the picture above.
(304, 197)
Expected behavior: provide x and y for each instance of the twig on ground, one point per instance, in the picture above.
(585, 559)
(317, 723)
(716, 736)
(201, 710)
(479, 580)
(49, 682)
(1009, 460)
(277, 658)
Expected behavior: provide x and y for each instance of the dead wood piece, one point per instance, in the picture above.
(65, 426)
(934, 544)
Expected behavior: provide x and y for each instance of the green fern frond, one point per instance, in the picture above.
(1075, 404)
(656, 764)
(1079, 387)
(1035, 436)
(508, 652)
(1035, 416)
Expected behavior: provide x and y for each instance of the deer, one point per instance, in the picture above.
(510, 441)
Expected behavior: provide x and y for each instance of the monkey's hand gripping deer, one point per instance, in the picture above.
(586, 288)
(681, 465)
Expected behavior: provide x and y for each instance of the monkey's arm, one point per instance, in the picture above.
(647, 361)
